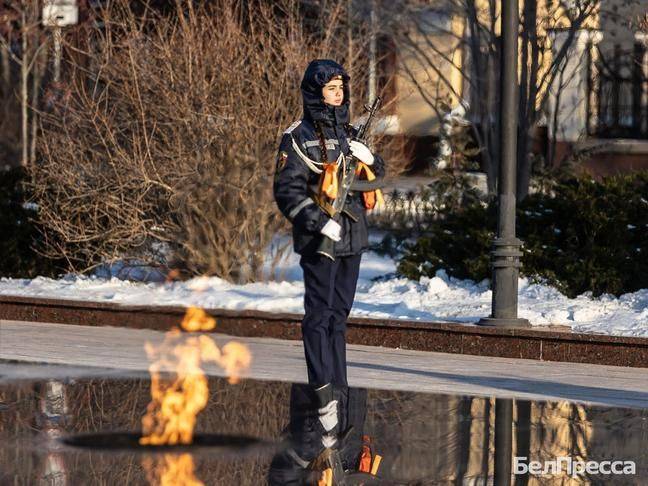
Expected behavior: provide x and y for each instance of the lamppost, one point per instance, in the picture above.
(505, 255)
(503, 441)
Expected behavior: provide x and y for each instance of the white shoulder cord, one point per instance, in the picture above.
(312, 165)
(341, 158)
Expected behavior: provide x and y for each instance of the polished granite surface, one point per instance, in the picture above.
(423, 438)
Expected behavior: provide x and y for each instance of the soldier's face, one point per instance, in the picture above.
(333, 92)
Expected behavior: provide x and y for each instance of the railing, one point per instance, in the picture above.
(618, 86)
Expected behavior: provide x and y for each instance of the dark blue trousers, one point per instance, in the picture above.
(329, 290)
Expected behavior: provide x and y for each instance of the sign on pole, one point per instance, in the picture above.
(60, 13)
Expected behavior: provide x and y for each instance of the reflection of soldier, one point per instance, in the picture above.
(305, 458)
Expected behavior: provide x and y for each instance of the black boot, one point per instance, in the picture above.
(352, 405)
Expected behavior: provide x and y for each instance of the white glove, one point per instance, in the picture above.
(361, 152)
(332, 229)
(329, 441)
(328, 416)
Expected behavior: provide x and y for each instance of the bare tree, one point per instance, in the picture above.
(164, 148)
(480, 42)
(23, 41)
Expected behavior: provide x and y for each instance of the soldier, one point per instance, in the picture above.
(312, 155)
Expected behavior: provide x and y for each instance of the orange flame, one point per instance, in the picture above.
(197, 320)
(171, 470)
(176, 400)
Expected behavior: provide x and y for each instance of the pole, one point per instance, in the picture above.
(503, 441)
(373, 53)
(57, 54)
(505, 254)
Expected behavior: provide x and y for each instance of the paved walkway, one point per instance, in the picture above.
(371, 367)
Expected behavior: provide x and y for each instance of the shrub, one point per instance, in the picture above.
(457, 240)
(20, 237)
(585, 235)
(588, 235)
(164, 149)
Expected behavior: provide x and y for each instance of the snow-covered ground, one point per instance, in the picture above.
(380, 295)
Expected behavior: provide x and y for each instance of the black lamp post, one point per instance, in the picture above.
(503, 441)
(505, 255)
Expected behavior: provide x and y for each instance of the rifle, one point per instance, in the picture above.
(327, 245)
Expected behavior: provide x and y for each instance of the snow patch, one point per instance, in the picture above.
(380, 294)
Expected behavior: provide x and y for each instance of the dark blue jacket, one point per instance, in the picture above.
(299, 159)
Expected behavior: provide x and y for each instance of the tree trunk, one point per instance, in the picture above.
(483, 84)
(490, 168)
(37, 77)
(523, 161)
(551, 152)
(527, 106)
(492, 99)
(349, 60)
(24, 95)
(6, 68)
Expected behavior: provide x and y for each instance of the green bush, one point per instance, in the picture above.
(458, 242)
(584, 236)
(20, 237)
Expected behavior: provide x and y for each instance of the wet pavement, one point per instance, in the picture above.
(368, 366)
(423, 438)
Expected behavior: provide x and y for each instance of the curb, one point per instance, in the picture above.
(470, 339)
